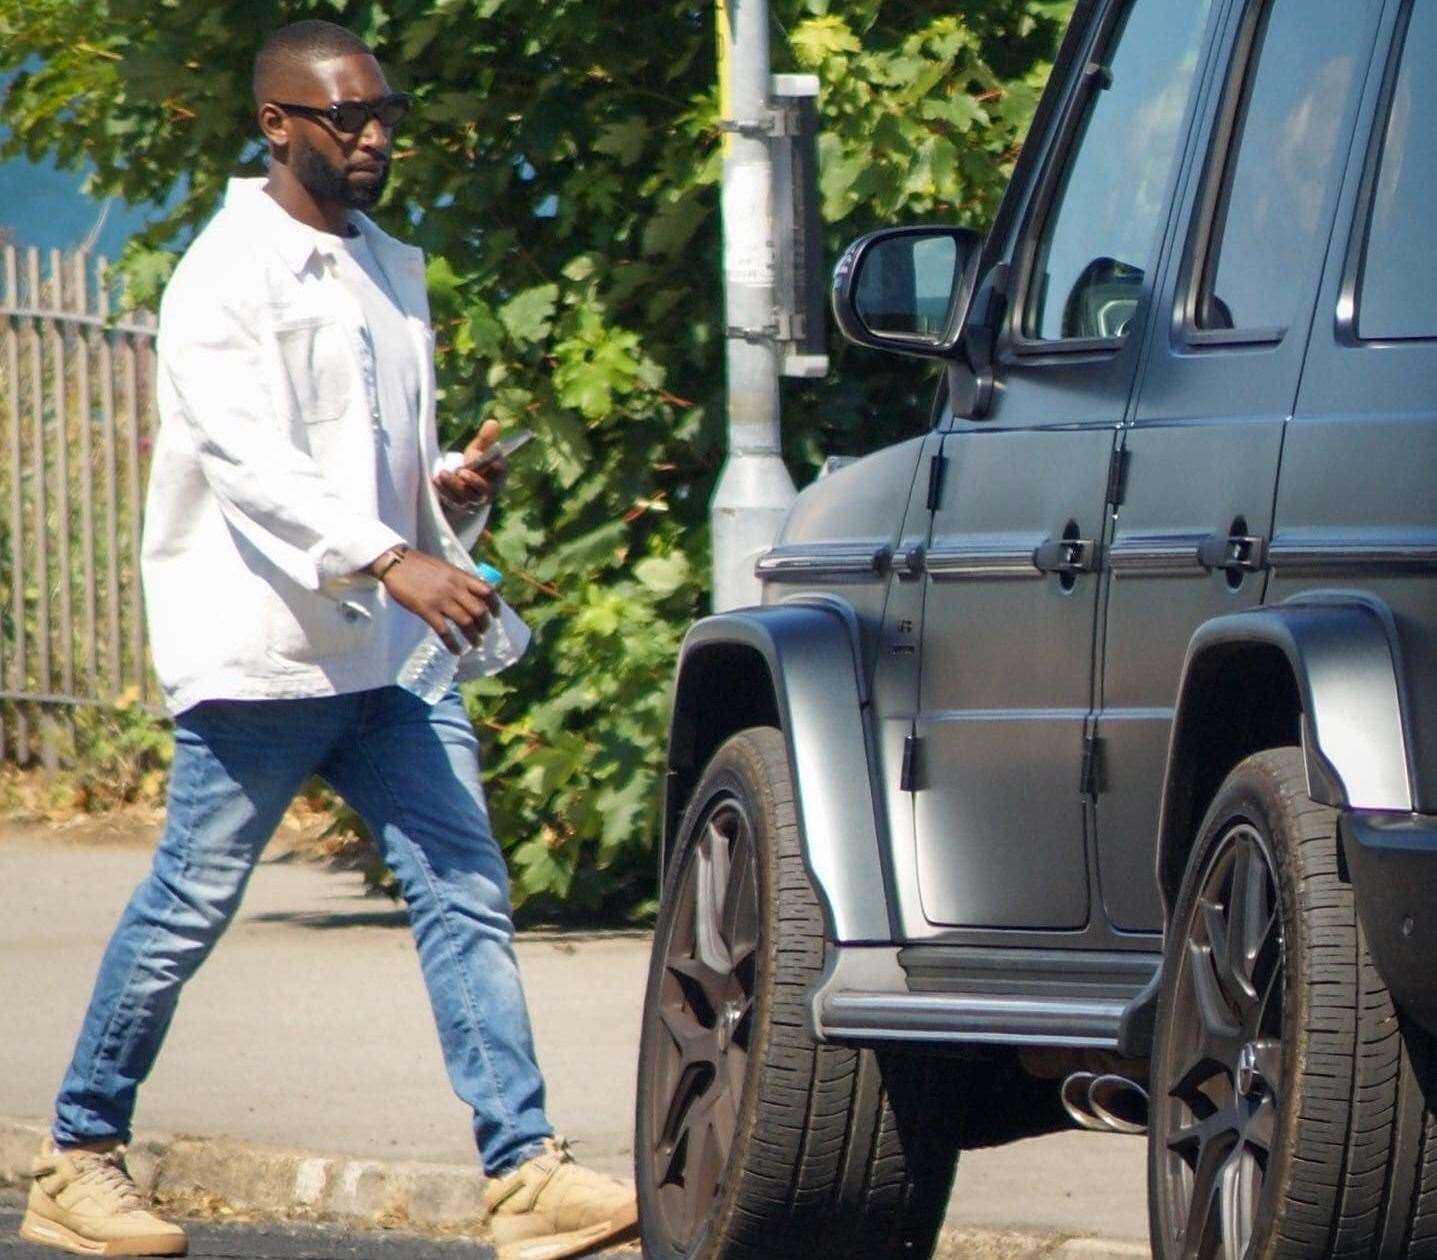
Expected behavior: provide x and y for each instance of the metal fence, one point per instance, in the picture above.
(76, 417)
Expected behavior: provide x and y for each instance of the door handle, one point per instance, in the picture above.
(1066, 555)
(1237, 553)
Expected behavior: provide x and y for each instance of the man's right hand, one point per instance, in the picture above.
(438, 593)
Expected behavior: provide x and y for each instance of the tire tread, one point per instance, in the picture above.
(826, 1171)
(1359, 1178)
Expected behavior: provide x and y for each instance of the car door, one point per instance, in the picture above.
(1020, 508)
(1356, 508)
(1219, 381)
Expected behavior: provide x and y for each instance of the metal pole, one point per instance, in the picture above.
(754, 491)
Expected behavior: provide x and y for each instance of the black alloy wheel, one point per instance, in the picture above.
(752, 1140)
(1291, 1113)
(1225, 1051)
(705, 1003)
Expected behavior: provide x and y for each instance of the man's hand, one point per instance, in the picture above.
(472, 488)
(438, 593)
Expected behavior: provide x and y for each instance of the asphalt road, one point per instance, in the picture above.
(310, 1029)
(240, 1241)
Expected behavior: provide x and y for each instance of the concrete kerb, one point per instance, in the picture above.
(277, 1182)
(1017, 1244)
(274, 1181)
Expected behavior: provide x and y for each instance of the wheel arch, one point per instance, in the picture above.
(1322, 672)
(796, 666)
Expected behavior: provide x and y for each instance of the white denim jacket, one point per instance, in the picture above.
(262, 501)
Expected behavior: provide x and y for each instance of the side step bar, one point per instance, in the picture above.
(1089, 1022)
(1026, 998)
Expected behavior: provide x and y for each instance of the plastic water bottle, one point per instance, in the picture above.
(431, 667)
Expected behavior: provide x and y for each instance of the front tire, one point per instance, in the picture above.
(752, 1140)
(1289, 1116)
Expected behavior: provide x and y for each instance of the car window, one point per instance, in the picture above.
(1101, 233)
(1280, 163)
(1398, 293)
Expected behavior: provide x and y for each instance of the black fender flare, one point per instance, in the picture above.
(807, 652)
(1342, 651)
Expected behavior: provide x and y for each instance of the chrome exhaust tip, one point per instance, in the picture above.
(1121, 1104)
(1074, 1095)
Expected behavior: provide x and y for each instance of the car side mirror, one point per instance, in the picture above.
(906, 289)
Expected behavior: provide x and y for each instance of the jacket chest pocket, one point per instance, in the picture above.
(319, 365)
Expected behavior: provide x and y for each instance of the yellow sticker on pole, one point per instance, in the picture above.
(725, 36)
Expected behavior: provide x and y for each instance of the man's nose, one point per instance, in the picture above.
(375, 136)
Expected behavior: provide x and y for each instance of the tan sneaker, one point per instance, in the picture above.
(549, 1207)
(83, 1201)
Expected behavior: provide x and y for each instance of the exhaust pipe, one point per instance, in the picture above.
(1106, 1103)
(1074, 1093)
(1119, 1103)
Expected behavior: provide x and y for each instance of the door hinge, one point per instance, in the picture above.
(1117, 475)
(908, 774)
(1090, 776)
(936, 467)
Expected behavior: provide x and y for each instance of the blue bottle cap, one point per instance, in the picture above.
(489, 573)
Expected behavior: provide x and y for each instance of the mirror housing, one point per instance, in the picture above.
(906, 289)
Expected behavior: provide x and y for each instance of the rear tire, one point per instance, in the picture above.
(1289, 1116)
(753, 1141)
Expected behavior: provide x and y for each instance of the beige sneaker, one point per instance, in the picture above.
(549, 1207)
(83, 1201)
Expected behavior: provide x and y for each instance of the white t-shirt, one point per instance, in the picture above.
(387, 358)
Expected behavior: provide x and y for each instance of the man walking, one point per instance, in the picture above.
(302, 539)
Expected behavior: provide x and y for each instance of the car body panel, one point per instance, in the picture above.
(809, 651)
(997, 765)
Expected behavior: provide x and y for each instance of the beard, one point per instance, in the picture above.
(326, 182)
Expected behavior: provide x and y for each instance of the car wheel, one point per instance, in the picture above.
(752, 1140)
(1289, 1115)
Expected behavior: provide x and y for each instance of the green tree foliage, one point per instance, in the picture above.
(561, 170)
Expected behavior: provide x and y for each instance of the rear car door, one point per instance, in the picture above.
(1356, 503)
(1020, 509)
(1219, 381)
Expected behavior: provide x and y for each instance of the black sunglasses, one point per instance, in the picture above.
(351, 117)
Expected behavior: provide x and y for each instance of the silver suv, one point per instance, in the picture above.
(1084, 749)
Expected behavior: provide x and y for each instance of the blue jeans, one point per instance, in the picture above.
(412, 772)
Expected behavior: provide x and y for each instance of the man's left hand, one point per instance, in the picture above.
(472, 488)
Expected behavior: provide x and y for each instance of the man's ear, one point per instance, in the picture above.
(274, 124)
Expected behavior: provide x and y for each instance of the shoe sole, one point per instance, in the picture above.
(574, 1243)
(48, 1233)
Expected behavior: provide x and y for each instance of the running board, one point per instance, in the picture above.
(1093, 1022)
(867, 993)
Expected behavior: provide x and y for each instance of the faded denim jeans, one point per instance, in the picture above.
(412, 772)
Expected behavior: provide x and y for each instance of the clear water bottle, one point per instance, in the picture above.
(431, 667)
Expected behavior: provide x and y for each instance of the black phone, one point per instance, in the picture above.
(504, 448)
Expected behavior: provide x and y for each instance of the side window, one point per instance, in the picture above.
(1101, 230)
(1397, 295)
(1278, 160)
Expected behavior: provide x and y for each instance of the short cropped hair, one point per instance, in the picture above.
(301, 44)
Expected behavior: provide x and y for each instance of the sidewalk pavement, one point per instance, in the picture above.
(309, 1031)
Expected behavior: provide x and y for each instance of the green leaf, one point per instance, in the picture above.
(625, 139)
(815, 40)
(486, 333)
(663, 574)
(541, 870)
(529, 316)
(959, 110)
(444, 286)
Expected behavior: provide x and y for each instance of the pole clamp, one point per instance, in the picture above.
(769, 332)
(751, 128)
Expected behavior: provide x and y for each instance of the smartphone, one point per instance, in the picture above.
(504, 448)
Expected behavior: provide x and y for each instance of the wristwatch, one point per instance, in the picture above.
(387, 560)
